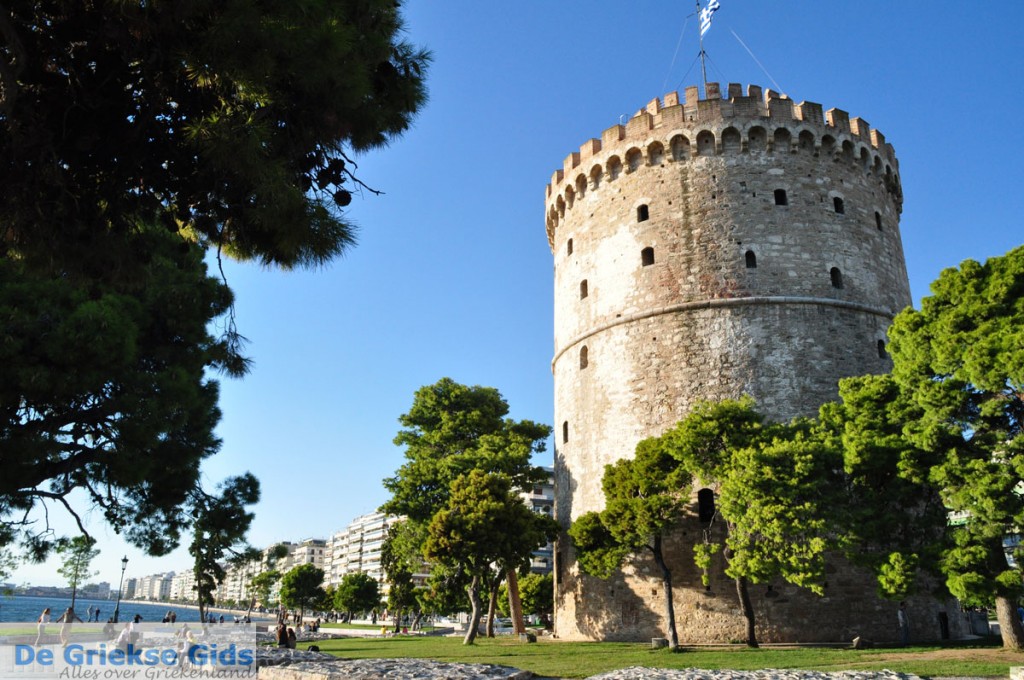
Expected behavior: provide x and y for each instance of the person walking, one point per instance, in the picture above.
(41, 622)
(65, 621)
(904, 623)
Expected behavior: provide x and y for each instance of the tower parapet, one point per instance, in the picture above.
(705, 249)
(670, 124)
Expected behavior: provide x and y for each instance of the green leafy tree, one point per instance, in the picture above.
(401, 557)
(218, 530)
(444, 592)
(301, 587)
(893, 521)
(357, 592)
(135, 139)
(76, 554)
(450, 430)
(779, 498)
(104, 390)
(484, 523)
(644, 497)
(262, 582)
(774, 487)
(209, 119)
(537, 592)
(961, 361)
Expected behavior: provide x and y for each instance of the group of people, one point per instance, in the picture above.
(285, 636)
(65, 621)
(68, 617)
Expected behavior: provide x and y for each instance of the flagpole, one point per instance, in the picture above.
(703, 64)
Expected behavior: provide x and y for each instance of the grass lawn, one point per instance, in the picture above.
(52, 629)
(351, 626)
(553, 658)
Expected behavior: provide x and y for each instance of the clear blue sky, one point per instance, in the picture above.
(452, 275)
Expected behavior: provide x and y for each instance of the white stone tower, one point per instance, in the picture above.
(707, 249)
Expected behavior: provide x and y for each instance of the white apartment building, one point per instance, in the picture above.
(541, 498)
(310, 551)
(155, 587)
(357, 548)
(183, 586)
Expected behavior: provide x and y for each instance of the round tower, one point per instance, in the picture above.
(704, 250)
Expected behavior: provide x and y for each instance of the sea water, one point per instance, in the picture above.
(27, 609)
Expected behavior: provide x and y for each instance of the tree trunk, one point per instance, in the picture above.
(515, 605)
(492, 603)
(473, 590)
(666, 581)
(398, 620)
(748, 610)
(1009, 623)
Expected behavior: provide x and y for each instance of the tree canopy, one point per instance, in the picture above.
(960, 359)
(450, 430)
(76, 556)
(136, 138)
(228, 122)
(537, 593)
(893, 521)
(483, 523)
(645, 496)
(357, 592)
(219, 525)
(773, 488)
(104, 389)
(301, 587)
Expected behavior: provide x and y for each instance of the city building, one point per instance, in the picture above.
(541, 499)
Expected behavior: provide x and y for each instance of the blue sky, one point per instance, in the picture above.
(452, 275)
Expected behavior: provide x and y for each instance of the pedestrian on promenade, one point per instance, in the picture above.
(904, 623)
(41, 622)
(125, 637)
(97, 619)
(65, 621)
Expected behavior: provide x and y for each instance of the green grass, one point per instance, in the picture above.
(582, 659)
(351, 626)
(52, 629)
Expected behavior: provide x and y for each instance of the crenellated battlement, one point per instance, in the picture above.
(764, 108)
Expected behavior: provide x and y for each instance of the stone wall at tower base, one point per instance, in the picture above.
(630, 606)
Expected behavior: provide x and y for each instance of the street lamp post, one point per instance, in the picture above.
(120, 588)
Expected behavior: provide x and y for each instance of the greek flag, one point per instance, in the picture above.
(705, 16)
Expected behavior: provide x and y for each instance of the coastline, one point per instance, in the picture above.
(220, 610)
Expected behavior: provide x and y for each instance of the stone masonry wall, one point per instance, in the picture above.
(703, 251)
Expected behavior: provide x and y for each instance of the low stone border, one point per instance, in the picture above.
(425, 669)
